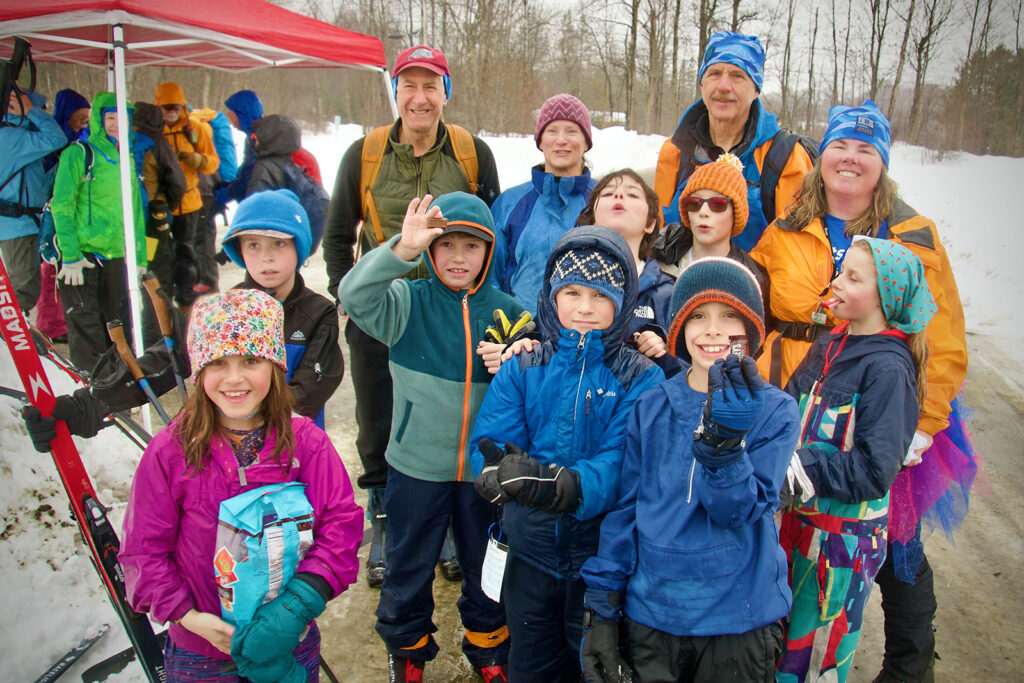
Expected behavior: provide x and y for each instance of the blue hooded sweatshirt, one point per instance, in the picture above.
(567, 403)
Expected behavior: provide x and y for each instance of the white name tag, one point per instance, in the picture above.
(492, 574)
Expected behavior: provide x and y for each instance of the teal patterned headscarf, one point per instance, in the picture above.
(907, 301)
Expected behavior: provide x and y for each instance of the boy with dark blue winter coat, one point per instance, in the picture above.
(690, 582)
(561, 411)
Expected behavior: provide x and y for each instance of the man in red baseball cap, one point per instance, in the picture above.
(416, 155)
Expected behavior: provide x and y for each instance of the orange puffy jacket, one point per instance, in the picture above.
(799, 266)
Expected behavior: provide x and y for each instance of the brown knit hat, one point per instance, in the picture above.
(725, 176)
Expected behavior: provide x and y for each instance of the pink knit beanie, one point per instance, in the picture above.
(564, 107)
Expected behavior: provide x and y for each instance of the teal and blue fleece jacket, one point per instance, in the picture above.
(694, 548)
(567, 402)
(432, 332)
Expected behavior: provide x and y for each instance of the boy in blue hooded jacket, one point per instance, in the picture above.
(561, 411)
(690, 580)
(432, 327)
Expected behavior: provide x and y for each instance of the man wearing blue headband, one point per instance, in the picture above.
(379, 175)
(729, 118)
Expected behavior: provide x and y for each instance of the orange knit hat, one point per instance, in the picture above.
(169, 93)
(725, 176)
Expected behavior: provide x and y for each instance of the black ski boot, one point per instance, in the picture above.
(377, 561)
(448, 564)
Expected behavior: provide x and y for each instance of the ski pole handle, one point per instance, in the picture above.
(163, 318)
(116, 332)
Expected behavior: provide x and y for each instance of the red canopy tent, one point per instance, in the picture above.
(233, 35)
(229, 35)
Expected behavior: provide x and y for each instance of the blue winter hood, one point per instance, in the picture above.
(66, 103)
(611, 242)
(247, 107)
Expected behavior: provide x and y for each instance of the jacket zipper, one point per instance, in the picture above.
(466, 388)
(579, 382)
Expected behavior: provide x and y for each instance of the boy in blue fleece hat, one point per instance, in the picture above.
(432, 327)
(561, 412)
(690, 577)
(269, 237)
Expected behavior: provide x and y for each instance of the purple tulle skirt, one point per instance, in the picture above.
(932, 495)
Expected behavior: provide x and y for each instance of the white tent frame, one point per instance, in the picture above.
(39, 28)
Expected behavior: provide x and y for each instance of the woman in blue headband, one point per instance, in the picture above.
(849, 193)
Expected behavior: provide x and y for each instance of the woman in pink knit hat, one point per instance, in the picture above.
(529, 218)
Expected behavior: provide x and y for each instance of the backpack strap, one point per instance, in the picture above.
(374, 145)
(774, 162)
(465, 154)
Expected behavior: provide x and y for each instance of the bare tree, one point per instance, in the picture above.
(786, 52)
(810, 72)
(908, 23)
(935, 15)
(879, 13)
(846, 46)
(706, 11)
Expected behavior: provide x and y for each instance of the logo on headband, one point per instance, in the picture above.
(865, 125)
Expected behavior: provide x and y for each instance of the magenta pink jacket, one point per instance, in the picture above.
(170, 527)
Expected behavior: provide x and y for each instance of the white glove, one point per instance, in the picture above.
(71, 271)
(921, 443)
(797, 485)
(141, 270)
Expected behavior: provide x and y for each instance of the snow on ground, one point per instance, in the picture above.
(52, 597)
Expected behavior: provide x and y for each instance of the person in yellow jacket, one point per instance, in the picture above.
(192, 141)
(848, 193)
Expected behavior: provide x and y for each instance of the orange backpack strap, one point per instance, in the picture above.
(374, 145)
(465, 154)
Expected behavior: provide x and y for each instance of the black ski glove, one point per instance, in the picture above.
(548, 487)
(82, 413)
(487, 484)
(599, 651)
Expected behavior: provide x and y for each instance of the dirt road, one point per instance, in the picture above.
(979, 581)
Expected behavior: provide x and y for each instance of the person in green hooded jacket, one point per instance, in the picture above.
(88, 219)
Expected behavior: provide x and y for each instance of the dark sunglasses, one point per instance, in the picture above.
(171, 107)
(693, 204)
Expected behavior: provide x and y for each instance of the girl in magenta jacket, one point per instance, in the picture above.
(235, 434)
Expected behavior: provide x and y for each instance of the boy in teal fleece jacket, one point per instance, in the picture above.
(432, 327)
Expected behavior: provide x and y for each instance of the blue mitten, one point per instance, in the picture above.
(735, 399)
(276, 626)
(281, 670)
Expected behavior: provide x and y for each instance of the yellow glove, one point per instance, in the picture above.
(505, 331)
(193, 159)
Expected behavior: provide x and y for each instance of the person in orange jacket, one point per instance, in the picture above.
(849, 193)
(729, 117)
(192, 141)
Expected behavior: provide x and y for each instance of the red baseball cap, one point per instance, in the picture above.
(424, 57)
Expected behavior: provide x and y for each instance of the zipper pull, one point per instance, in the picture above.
(318, 372)
(587, 411)
(241, 477)
(579, 347)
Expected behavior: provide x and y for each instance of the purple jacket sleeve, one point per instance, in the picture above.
(338, 525)
(152, 579)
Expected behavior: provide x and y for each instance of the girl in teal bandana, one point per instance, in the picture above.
(859, 390)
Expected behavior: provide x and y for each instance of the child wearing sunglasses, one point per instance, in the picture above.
(713, 206)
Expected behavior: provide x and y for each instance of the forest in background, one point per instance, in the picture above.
(634, 63)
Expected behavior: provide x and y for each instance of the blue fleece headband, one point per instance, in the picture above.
(738, 49)
(446, 79)
(277, 210)
(247, 107)
(866, 123)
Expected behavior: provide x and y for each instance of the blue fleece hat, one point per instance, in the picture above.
(591, 267)
(866, 123)
(247, 107)
(273, 213)
(66, 103)
(738, 49)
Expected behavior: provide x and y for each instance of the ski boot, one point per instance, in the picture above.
(448, 564)
(377, 561)
(402, 670)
